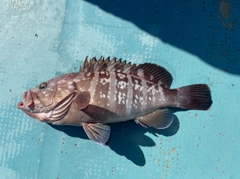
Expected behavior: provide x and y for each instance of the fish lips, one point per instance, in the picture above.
(27, 104)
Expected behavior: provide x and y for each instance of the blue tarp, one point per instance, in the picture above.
(196, 41)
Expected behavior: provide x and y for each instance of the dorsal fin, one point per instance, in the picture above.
(149, 71)
(104, 64)
(154, 73)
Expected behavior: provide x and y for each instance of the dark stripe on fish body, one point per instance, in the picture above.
(112, 90)
(129, 96)
(145, 95)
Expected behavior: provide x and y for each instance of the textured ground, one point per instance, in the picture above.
(196, 41)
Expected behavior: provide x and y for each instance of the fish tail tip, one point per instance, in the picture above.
(195, 97)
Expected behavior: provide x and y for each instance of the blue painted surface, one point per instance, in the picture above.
(198, 42)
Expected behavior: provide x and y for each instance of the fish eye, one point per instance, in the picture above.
(42, 86)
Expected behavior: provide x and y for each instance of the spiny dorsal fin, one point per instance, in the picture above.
(104, 64)
(151, 72)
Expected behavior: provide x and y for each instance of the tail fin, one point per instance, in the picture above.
(195, 97)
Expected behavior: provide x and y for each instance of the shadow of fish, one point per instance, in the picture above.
(109, 91)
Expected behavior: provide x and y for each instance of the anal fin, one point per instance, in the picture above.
(97, 132)
(159, 119)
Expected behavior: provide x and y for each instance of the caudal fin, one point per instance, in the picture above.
(195, 97)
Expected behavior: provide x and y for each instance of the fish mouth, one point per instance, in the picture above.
(27, 104)
(21, 106)
(54, 114)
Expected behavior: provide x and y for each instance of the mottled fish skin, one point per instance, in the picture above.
(123, 91)
(108, 91)
(128, 96)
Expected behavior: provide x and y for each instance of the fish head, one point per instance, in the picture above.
(49, 101)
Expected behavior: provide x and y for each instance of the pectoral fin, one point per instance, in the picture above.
(83, 99)
(159, 119)
(97, 132)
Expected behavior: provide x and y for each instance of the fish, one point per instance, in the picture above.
(109, 91)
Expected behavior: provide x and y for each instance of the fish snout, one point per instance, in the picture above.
(28, 101)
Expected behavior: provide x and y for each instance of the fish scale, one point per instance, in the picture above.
(108, 91)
